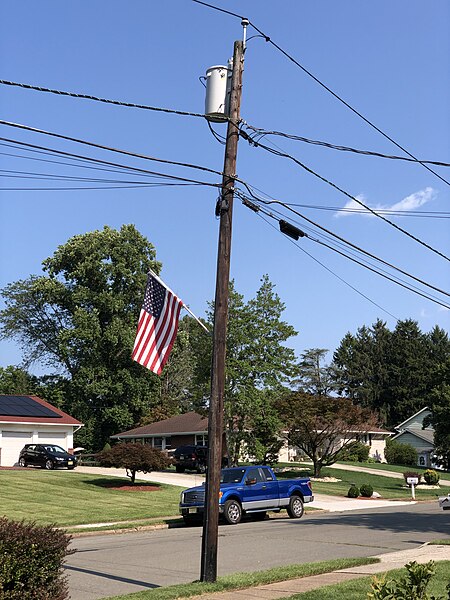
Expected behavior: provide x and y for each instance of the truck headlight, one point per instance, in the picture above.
(182, 498)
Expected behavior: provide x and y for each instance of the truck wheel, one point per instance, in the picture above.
(295, 508)
(201, 469)
(232, 512)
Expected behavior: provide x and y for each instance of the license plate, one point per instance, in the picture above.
(70, 462)
(192, 510)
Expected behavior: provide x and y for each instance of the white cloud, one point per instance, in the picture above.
(411, 202)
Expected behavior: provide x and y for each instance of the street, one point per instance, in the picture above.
(124, 563)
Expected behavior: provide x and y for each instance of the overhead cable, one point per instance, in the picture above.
(342, 191)
(372, 269)
(325, 87)
(99, 99)
(263, 133)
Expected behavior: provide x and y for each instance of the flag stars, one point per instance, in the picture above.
(155, 295)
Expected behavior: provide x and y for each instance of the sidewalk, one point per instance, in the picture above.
(283, 589)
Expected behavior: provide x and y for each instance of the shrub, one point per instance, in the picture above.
(134, 457)
(407, 474)
(412, 587)
(431, 477)
(355, 452)
(366, 490)
(31, 559)
(400, 454)
(353, 491)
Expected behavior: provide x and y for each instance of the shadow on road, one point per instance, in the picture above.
(397, 522)
(113, 577)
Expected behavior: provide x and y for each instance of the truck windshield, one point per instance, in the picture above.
(231, 475)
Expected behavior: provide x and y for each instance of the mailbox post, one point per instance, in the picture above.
(412, 481)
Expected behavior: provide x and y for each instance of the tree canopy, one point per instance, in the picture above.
(79, 319)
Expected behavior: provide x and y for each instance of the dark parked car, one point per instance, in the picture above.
(47, 456)
(191, 458)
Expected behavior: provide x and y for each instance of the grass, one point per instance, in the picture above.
(245, 580)
(356, 589)
(445, 542)
(388, 487)
(70, 498)
(394, 468)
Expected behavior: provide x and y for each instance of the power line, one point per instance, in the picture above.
(110, 149)
(331, 271)
(342, 191)
(325, 87)
(426, 214)
(372, 269)
(99, 99)
(259, 133)
(353, 246)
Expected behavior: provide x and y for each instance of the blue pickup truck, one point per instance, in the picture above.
(249, 490)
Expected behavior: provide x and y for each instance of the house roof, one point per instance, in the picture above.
(424, 434)
(190, 422)
(400, 425)
(33, 410)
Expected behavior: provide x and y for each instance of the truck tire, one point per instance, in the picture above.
(295, 507)
(232, 512)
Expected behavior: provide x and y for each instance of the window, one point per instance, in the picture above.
(268, 474)
(254, 474)
(158, 442)
(201, 439)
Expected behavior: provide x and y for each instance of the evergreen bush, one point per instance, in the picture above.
(31, 561)
(366, 490)
(400, 454)
(431, 477)
(355, 452)
(353, 492)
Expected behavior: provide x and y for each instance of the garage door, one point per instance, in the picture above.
(60, 439)
(11, 444)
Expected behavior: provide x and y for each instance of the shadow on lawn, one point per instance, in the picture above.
(122, 483)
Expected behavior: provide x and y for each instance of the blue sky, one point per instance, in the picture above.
(389, 60)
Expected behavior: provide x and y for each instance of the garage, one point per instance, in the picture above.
(11, 445)
(32, 420)
(60, 439)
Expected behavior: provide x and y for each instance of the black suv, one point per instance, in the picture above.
(193, 458)
(47, 456)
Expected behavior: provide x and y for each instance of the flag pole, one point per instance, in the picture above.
(159, 280)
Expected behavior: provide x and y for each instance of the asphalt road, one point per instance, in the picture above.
(124, 563)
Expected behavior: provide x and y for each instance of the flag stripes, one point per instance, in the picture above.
(157, 327)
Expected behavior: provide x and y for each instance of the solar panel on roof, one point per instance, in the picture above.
(24, 406)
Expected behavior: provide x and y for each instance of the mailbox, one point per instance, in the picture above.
(412, 480)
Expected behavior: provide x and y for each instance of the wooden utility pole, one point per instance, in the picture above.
(215, 418)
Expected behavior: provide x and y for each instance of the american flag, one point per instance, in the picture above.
(157, 327)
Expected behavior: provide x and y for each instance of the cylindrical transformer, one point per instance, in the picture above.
(218, 81)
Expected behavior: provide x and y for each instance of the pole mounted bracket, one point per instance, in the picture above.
(222, 204)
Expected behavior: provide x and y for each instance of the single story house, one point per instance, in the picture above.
(411, 432)
(375, 438)
(181, 430)
(192, 428)
(31, 420)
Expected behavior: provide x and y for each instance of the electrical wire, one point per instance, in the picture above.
(325, 87)
(372, 269)
(99, 99)
(102, 147)
(331, 271)
(262, 132)
(347, 243)
(342, 191)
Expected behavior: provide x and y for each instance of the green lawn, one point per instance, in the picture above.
(242, 581)
(69, 498)
(356, 589)
(388, 487)
(393, 468)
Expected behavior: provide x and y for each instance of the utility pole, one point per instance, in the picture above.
(215, 418)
